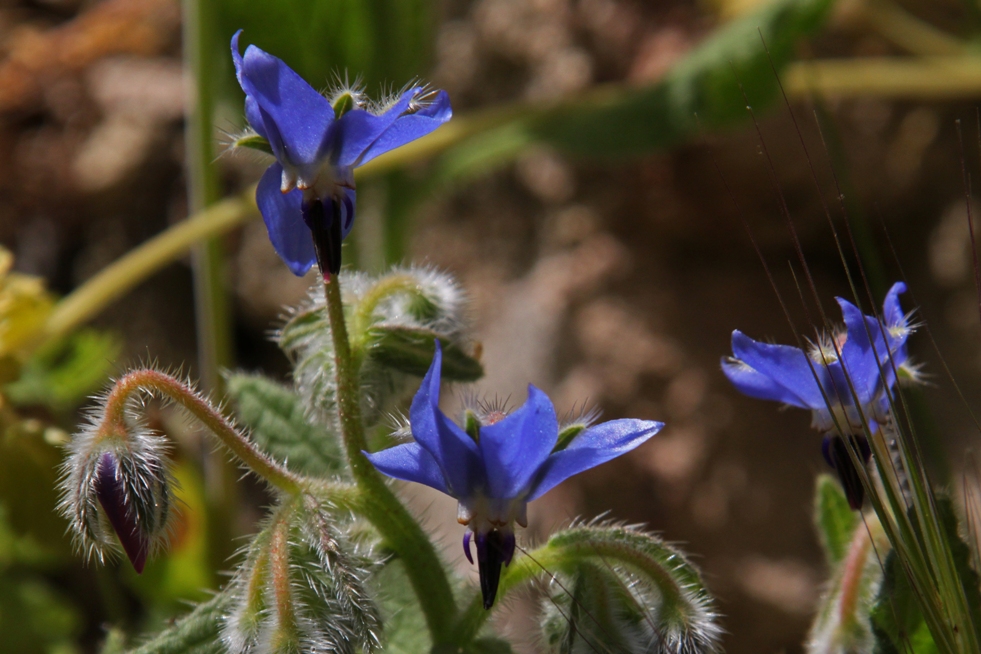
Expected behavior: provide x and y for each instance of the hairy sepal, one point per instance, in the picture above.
(618, 584)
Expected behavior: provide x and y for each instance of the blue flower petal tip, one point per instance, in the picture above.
(308, 200)
(493, 474)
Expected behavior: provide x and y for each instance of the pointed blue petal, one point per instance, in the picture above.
(892, 312)
(787, 366)
(409, 462)
(755, 384)
(860, 363)
(284, 221)
(895, 319)
(454, 452)
(594, 446)
(299, 116)
(514, 448)
(356, 130)
(409, 128)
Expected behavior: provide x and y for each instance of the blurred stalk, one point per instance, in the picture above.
(909, 32)
(210, 298)
(212, 315)
(925, 78)
(119, 277)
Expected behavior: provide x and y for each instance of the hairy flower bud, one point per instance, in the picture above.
(115, 492)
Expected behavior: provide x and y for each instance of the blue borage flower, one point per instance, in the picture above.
(844, 380)
(506, 462)
(317, 144)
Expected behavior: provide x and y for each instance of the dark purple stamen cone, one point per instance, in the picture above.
(326, 230)
(493, 549)
(109, 490)
(836, 454)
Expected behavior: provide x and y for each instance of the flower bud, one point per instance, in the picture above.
(114, 486)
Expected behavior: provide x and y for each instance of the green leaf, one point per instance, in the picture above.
(834, 519)
(62, 374)
(411, 349)
(897, 622)
(195, 633)
(279, 425)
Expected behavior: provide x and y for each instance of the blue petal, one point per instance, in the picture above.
(594, 446)
(300, 117)
(411, 127)
(755, 384)
(787, 366)
(409, 462)
(454, 452)
(356, 130)
(859, 360)
(284, 221)
(892, 312)
(514, 448)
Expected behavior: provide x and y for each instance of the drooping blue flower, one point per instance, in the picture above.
(317, 145)
(508, 461)
(845, 380)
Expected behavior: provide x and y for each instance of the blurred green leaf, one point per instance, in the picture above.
(702, 91)
(277, 419)
(28, 475)
(62, 374)
(834, 519)
(34, 618)
(411, 349)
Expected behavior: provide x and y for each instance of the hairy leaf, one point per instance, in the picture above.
(279, 425)
(195, 633)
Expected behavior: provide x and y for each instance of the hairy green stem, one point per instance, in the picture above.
(379, 505)
(154, 381)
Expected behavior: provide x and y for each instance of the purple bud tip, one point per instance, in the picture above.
(466, 546)
(494, 548)
(109, 490)
(848, 475)
(326, 231)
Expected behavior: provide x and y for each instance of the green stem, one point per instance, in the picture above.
(114, 424)
(378, 503)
